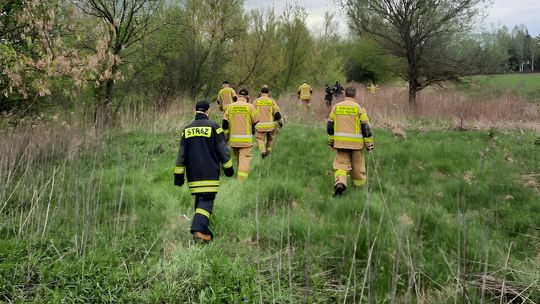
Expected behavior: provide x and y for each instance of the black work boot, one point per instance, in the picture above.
(339, 189)
(264, 154)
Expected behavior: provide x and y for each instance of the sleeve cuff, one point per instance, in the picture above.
(179, 170)
(228, 164)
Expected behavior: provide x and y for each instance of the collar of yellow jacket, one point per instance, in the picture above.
(264, 95)
(350, 99)
(242, 99)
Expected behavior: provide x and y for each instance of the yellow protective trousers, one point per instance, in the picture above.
(306, 102)
(243, 155)
(265, 140)
(350, 161)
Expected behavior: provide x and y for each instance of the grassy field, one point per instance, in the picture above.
(525, 86)
(447, 216)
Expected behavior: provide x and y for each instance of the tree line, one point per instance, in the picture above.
(102, 55)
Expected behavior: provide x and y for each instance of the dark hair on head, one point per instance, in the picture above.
(265, 90)
(350, 92)
(225, 82)
(243, 92)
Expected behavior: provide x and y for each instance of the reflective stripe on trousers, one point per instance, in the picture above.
(204, 203)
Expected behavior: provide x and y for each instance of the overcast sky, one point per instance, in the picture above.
(508, 12)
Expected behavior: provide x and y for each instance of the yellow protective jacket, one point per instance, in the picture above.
(304, 91)
(225, 97)
(239, 123)
(348, 126)
(268, 113)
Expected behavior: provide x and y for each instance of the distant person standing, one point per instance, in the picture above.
(372, 88)
(239, 125)
(201, 154)
(338, 89)
(226, 96)
(329, 95)
(350, 134)
(269, 119)
(304, 93)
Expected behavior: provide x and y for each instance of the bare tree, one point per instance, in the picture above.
(425, 34)
(255, 50)
(126, 22)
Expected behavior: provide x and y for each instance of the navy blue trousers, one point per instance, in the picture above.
(204, 203)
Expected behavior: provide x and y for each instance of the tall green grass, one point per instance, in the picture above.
(446, 217)
(524, 86)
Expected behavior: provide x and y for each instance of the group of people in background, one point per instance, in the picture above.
(203, 150)
(337, 91)
(332, 92)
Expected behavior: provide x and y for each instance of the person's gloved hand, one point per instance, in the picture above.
(370, 148)
(331, 142)
(228, 171)
(280, 123)
(178, 180)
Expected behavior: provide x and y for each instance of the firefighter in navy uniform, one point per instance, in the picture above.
(201, 154)
(329, 95)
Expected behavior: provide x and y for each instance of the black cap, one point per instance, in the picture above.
(202, 106)
(225, 82)
(243, 92)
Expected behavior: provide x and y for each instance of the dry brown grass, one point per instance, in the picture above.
(39, 141)
(531, 181)
(389, 108)
(30, 152)
(157, 119)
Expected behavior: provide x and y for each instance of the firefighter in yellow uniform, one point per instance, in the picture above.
(372, 88)
(225, 96)
(350, 134)
(239, 125)
(304, 93)
(269, 119)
